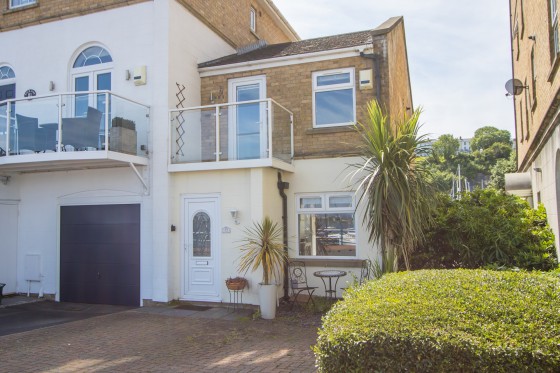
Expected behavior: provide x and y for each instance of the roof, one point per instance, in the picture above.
(306, 46)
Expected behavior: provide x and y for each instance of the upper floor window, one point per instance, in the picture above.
(6, 72)
(19, 3)
(92, 56)
(253, 20)
(326, 225)
(334, 101)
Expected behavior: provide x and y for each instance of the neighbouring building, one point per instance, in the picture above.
(132, 157)
(464, 145)
(536, 95)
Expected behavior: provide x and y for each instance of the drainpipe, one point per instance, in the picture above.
(283, 185)
(376, 62)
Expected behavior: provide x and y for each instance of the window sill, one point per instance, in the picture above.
(334, 129)
(554, 68)
(331, 263)
(20, 8)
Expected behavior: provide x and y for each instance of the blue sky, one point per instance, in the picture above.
(458, 53)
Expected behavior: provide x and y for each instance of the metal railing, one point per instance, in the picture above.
(74, 121)
(248, 130)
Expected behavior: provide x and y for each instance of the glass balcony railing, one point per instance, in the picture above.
(249, 130)
(79, 121)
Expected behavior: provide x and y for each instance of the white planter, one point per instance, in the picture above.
(268, 299)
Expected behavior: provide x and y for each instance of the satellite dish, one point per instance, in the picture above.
(514, 87)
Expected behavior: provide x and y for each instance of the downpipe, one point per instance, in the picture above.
(282, 186)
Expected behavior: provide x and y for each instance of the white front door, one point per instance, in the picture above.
(248, 124)
(201, 269)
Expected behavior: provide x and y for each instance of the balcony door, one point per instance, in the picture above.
(91, 81)
(247, 127)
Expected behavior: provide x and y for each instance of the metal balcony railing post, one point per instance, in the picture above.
(107, 121)
(217, 133)
(269, 128)
(8, 129)
(59, 142)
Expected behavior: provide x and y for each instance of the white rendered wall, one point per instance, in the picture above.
(8, 244)
(545, 182)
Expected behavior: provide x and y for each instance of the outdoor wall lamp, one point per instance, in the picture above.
(234, 215)
(537, 169)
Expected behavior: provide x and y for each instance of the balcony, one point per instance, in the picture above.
(244, 134)
(69, 131)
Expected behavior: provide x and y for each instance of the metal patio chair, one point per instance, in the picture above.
(298, 282)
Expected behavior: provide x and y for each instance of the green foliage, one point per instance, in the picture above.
(446, 146)
(500, 169)
(487, 227)
(445, 321)
(485, 137)
(392, 181)
(263, 246)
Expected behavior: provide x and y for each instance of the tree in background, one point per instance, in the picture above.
(392, 182)
(500, 169)
(446, 147)
(485, 137)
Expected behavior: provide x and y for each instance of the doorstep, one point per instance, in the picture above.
(16, 300)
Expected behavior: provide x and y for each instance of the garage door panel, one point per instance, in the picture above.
(102, 214)
(101, 233)
(100, 254)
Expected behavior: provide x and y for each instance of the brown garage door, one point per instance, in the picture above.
(100, 254)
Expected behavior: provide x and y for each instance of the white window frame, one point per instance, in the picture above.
(325, 209)
(554, 26)
(24, 3)
(334, 87)
(253, 19)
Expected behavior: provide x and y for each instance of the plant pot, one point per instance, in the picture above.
(237, 283)
(268, 299)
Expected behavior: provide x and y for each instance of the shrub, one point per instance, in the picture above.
(445, 321)
(487, 227)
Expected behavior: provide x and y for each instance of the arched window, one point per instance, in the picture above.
(92, 71)
(92, 56)
(7, 83)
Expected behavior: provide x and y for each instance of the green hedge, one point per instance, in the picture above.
(445, 321)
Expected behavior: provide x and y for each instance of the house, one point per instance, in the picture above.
(536, 95)
(465, 145)
(206, 115)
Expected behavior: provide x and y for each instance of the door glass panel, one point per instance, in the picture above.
(248, 122)
(81, 84)
(201, 235)
(103, 83)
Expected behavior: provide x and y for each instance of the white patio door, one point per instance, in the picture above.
(201, 269)
(248, 122)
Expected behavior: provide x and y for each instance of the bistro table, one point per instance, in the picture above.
(330, 274)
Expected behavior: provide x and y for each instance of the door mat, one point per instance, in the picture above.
(191, 307)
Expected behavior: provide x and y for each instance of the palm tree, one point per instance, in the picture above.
(391, 182)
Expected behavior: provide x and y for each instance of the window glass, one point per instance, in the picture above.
(6, 72)
(92, 56)
(334, 101)
(334, 107)
(18, 3)
(340, 201)
(333, 79)
(327, 234)
(253, 21)
(310, 202)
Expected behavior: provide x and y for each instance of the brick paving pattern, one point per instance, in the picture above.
(140, 341)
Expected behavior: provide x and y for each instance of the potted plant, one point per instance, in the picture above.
(236, 283)
(263, 247)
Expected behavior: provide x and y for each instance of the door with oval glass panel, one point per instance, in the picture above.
(201, 268)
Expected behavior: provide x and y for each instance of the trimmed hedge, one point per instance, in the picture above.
(445, 321)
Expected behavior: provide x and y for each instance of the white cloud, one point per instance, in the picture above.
(458, 53)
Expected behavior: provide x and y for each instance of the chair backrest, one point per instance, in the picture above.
(365, 271)
(91, 130)
(27, 132)
(298, 275)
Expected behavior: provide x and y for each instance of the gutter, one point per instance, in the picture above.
(282, 186)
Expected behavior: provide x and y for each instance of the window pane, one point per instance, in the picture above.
(333, 79)
(201, 235)
(81, 101)
(310, 203)
(334, 107)
(92, 56)
(16, 3)
(6, 72)
(327, 234)
(340, 201)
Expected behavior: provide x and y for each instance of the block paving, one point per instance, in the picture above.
(162, 339)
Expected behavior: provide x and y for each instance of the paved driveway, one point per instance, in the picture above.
(145, 340)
